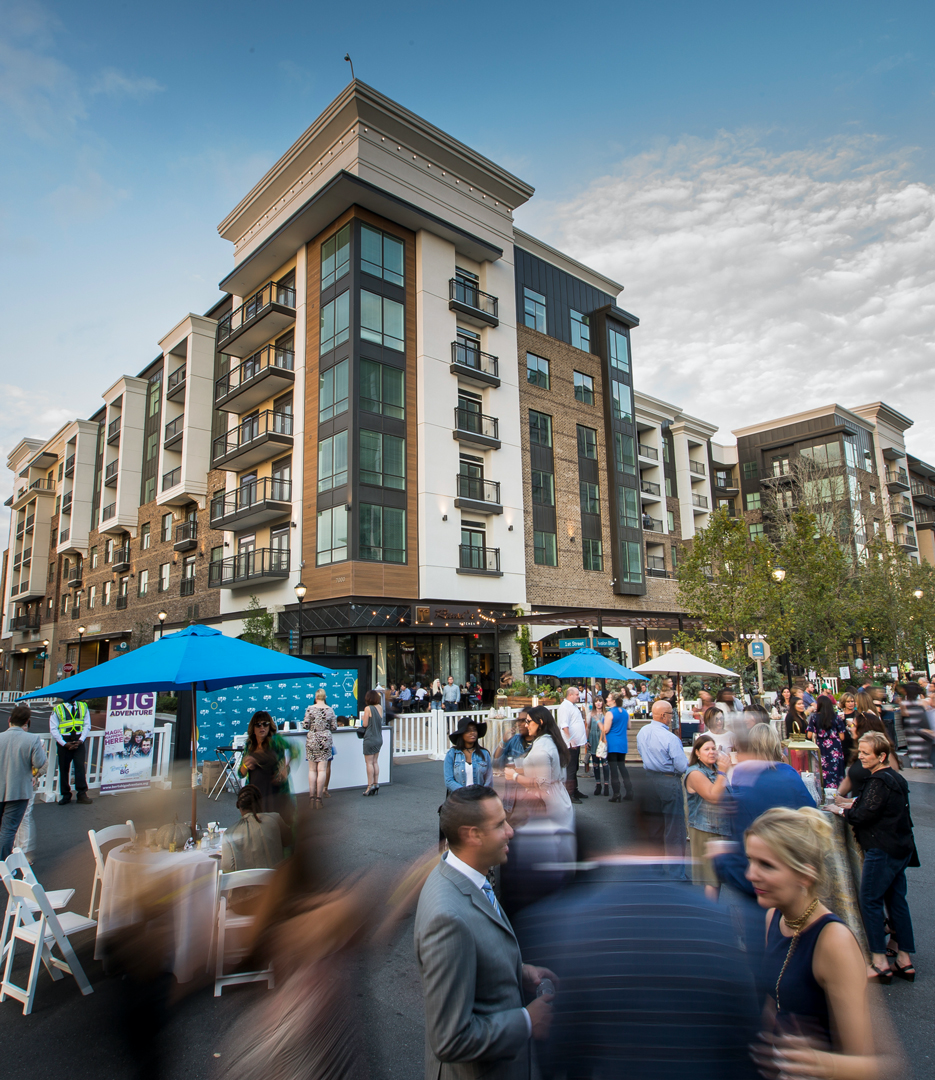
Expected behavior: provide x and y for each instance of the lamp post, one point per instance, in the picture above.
(82, 630)
(162, 616)
(300, 591)
(779, 576)
(919, 594)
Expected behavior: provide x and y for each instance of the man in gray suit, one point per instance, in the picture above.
(473, 977)
(20, 754)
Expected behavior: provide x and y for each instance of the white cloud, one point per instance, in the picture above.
(38, 94)
(767, 282)
(114, 84)
(87, 198)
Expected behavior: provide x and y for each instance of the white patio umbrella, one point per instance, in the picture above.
(679, 662)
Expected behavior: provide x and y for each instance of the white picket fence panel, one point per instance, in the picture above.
(426, 734)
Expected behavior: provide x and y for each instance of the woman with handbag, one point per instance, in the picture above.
(371, 731)
(266, 759)
(597, 749)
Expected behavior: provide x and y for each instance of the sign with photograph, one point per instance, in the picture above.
(128, 742)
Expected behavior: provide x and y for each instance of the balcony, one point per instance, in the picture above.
(122, 559)
(479, 560)
(27, 494)
(651, 524)
(248, 567)
(122, 603)
(781, 477)
(251, 504)
(75, 612)
(478, 495)
(27, 556)
(656, 566)
(113, 431)
(648, 452)
(66, 503)
(266, 374)
(476, 429)
(64, 535)
(700, 502)
(70, 465)
(650, 490)
(256, 439)
(475, 307)
(260, 317)
(17, 559)
(724, 482)
(110, 473)
(897, 480)
(175, 384)
(20, 529)
(900, 510)
(697, 467)
(30, 523)
(25, 622)
(474, 366)
(906, 538)
(74, 577)
(186, 536)
(924, 493)
(925, 519)
(109, 512)
(174, 432)
(187, 586)
(171, 478)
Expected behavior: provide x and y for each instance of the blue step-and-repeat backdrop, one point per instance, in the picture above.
(222, 714)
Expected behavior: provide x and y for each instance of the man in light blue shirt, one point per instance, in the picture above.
(451, 695)
(664, 764)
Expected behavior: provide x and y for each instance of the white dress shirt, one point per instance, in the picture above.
(569, 716)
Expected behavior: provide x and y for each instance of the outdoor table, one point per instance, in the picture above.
(191, 883)
(844, 866)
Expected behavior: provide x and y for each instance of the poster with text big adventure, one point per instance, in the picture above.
(128, 742)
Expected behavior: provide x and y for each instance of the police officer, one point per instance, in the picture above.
(70, 725)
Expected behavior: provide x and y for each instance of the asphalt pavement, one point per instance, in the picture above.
(81, 1037)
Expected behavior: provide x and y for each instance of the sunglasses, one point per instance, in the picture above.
(261, 723)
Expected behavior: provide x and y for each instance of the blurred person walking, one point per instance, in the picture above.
(320, 721)
(597, 749)
(511, 752)
(542, 770)
(474, 981)
(372, 723)
(265, 761)
(570, 720)
(616, 735)
(828, 731)
(705, 788)
(782, 706)
(920, 737)
(797, 716)
(664, 764)
(467, 762)
(22, 756)
(70, 724)
(716, 726)
(256, 841)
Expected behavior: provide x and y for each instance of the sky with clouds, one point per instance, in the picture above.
(762, 181)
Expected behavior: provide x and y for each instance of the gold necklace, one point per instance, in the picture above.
(796, 926)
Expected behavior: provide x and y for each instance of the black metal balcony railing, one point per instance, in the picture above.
(74, 577)
(248, 431)
(724, 480)
(30, 522)
(649, 451)
(27, 556)
(252, 494)
(176, 378)
(66, 503)
(108, 512)
(113, 429)
(478, 489)
(924, 516)
(651, 524)
(697, 467)
(63, 535)
(701, 501)
(186, 531)
(921, 490)
(254, 366)
(122, 556)
(900, 508)
(110, 471)
(248, 565)
(187, 586)
(468, 357)
(480, 558)
(70, 465)
(655, 562)
(897, 476)
(25, 622)
(170, 479)
(122, 603)
(174, 428)
(76, 612)
(476, 423)
(17, 559)
(20, 529)
(271, 293)
(649, 488)
(463, 292)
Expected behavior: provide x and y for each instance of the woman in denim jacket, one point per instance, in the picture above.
(467, 763)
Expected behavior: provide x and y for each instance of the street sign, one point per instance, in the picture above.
(583, 643)
(758, 649)
(68, 668)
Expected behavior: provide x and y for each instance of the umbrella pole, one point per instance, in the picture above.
(194, 758)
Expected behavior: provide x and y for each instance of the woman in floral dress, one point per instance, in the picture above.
(320, 721)
(827, 729)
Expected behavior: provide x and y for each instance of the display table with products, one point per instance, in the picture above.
(348, 769)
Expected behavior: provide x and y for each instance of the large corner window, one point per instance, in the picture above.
(332, 462)
(335, 322)
(335, 257)
(540, 428)
(624, 454)
(544, 548)
(332, 536)
(580, 331)
(381, 255)
(534, 311)
(619, 349)
(332, 391)
(537, 370)
(382, 389)
(382, 460)
(382, 533)
(381, 320)
(621, 401)
(631, 564)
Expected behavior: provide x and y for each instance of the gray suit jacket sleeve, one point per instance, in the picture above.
(39, 756)
(455, 1032)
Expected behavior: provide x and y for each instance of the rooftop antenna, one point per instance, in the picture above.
(347, 57)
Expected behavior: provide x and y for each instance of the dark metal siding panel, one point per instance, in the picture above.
(562, 291)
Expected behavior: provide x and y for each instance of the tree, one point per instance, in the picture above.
(258, 626)
(900, 625)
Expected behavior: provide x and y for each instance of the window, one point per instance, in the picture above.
(779, 466)
(624, 454)
(584, 388)
(105, 590)
(64, 603)
(382, 533)
(580, 331)
(166, 534)
(675, 556)
(94, 557)
(750, 470)
(149, 489)
(587, 442)
(628, 507)
(670, 516)
(619, 352)
(332, 391)
(381, 320)
(332, 462)
(188, 566)
(109, 551)
(534, 312)
(540, 428)
(669, 486)
(753, 501)
(332, 536)
(145, 537)
(828, 454)
(152, 445)
(756, 531)
(473, 545)
(92, 597)
(544, 548)
(164, 577)
(382, 460)
(335, 257)
(124, 586)
(61, 470)
(621, 401)
(592, 554)
(829, 489)
(631, 564)
(58, 503)
(217, 553)
(155, 394)
(850, 452)
(335, 323)
(382, 389)
(590, 497)
(381, 255)
(537, 370)
(543, 488)
(143, 583)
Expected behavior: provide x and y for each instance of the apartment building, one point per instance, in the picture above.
(922, 495)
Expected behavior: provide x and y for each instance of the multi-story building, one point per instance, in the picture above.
(922, 493)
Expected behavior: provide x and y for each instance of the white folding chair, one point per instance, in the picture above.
(16, 861)
(98, 838)
(43, 934)
(227, 921)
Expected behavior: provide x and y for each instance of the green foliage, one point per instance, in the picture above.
(258, 626)
(525, 648)
(167, 703)
(900, 625)
(518, 689)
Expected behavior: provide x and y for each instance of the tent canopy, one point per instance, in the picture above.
(586, 664)
(682, 662)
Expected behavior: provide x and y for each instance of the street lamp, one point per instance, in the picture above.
(162, 616)
(779, 576)
(918, 594)
(300, 591)
(82, 630)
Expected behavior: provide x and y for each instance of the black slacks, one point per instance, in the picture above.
(67, 758)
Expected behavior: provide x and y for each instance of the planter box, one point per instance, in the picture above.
(525, 702)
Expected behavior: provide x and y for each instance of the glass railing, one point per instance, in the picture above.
(170, 479)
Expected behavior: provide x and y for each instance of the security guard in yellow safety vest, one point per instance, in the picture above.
(70, 725)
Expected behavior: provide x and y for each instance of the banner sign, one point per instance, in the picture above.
(584, 643)
(128, 742)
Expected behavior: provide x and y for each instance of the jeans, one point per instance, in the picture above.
(65, 759)
(601, 770)
(665, 817)
(451, 706)
(883, 886)
(11, 814)
(571, 770)
(618, 768)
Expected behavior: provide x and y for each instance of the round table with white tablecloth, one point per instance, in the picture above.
(184, 883)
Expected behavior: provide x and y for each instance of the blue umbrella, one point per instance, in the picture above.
(197, 658)
(586, 664)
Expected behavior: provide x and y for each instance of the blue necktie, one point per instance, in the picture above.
(488, 892)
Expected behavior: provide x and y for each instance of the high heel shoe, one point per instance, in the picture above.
(884, 976)
(369, 791)
(615, 798)
(376, 789)
(908, 972)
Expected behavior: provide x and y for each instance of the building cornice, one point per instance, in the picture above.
(880, 412)
(548, 254)
(799, 417)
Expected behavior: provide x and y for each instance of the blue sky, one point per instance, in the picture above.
(759, 176)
